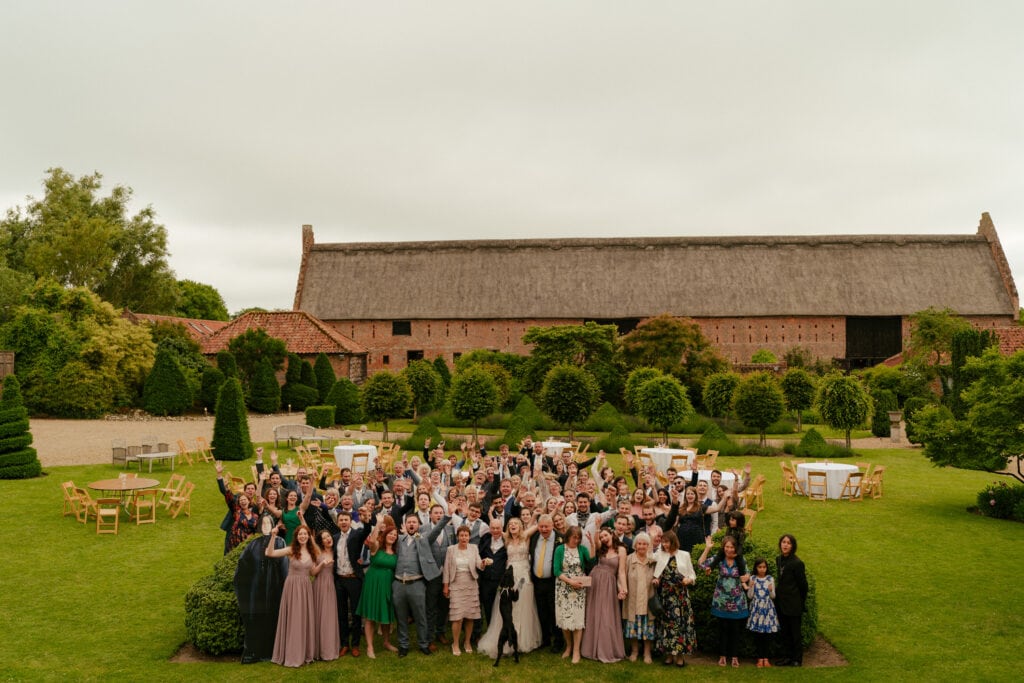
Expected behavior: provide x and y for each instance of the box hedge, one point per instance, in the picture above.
(320, 417)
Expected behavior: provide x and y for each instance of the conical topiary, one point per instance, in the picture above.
(344, 396)
(265, 393)
(18, 460)
(231, 426)
(166, 391)
(325, 377)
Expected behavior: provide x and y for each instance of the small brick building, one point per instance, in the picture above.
(842, 297)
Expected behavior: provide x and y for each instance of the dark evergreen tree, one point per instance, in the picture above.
(308, 376)
(231, 426)
(344, 396)
(265, 394)
(226, 363)
(18, 460)
(166, 391)
(296, 394)
(213, 378)
(442, 369)
(325, 377)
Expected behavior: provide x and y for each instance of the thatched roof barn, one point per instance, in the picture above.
(744, 283)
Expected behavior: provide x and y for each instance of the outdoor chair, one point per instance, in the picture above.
(72, 504)
(203, 449)
(182, 501)
(108, 515)
(173, 488)
(185, 453)
(144, 506)
(817, 485)
(749, 516)
(852, 488)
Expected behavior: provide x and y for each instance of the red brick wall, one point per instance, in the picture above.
(736, 338)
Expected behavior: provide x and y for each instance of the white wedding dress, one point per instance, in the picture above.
(524, 610)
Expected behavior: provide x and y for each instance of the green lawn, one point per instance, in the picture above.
(909, 585)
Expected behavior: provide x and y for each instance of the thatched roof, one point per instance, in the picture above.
(301, 333)
(858, 275)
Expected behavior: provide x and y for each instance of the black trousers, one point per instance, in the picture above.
(488, 591)
(437, 608)
(348, 591)
(729, 631)
(544, 596)
(789, 635)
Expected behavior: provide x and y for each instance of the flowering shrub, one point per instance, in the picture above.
(1002, 501)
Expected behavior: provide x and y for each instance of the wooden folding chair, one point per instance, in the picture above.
(584, 449)
(144, 506)
(852, 489)
(360, 462)
(88, 505)
(865, 468)
(791, 483)
(710, 458)
(72, 503)
(749, 515)
(753, 497)
(817, 485)
(679, 463)
(203, 449)
(108, 515)
(173, 488)
(875, 487)
(185, 453)
(182, 501)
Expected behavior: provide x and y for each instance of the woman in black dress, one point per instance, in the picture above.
(790, 598)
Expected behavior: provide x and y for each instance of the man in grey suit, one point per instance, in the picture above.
(416, 565)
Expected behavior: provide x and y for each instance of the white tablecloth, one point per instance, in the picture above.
(554, 448)
(662, 457)
(343, 455)
(705, 475)
(835, 475)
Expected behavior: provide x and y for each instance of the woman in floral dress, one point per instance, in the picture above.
(674, 630)
(570, 566)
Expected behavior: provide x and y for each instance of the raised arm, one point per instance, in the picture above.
(271, 551)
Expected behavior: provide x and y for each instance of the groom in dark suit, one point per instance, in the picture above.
(492, 548)
(348, 580)
(542, 554)
(416, 565)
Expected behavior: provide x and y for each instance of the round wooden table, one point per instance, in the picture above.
(121, 487)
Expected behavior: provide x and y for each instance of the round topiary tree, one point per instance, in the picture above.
(384, 396)
(265, 392)
(662, 401)
(798, 388)
(759, 402)
(569, 394)
(231, 426)
(843, 402)
(633, 383)
(718, 393)
(18, 460)
(473, 395)
(166, 389)
(344, 396)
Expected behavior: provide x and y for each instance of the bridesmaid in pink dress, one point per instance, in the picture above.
(295, 641)
(325, 602)
(602, 635)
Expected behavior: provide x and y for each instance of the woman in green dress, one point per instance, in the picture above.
(292, 515)
(375, 606)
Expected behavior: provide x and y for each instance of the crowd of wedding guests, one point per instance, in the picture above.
(580, 560)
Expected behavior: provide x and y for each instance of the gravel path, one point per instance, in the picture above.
(88, 442)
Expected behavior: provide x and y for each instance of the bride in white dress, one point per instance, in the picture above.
(524, 610)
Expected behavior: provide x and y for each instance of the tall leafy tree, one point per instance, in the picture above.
(201, 301)
(590, 346)
(992, 430)
(175, 339)
(663, 402)
(569, 395)
(385, 396)
(426, 385)
(252, 346)
(843, 402)
(473, 395)
(759, 401)
(166, 391)
(345, 398)
(231, 426)
(798, 388)
(676, 346)
(18, 460)
(80, 238)
(76, 355)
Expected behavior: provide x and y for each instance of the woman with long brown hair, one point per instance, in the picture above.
(295, 642)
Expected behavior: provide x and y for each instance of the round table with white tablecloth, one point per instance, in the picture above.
(554, 448)
(662, 457)
(343, 455)
(835, 475)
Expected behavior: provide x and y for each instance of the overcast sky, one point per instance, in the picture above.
(378, 121)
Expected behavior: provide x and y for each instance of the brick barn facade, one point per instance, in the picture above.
(842, 297)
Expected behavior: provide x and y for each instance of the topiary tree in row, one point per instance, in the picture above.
(265, 392)
(18, 460)
(166, 391)
(231, 426)
(344, 396)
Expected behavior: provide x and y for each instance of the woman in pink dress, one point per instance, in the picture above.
(325, 602)
(602, 635)
(295, 641)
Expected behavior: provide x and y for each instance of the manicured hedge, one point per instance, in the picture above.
(18, 460)
(212, 620)
(320, 417)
